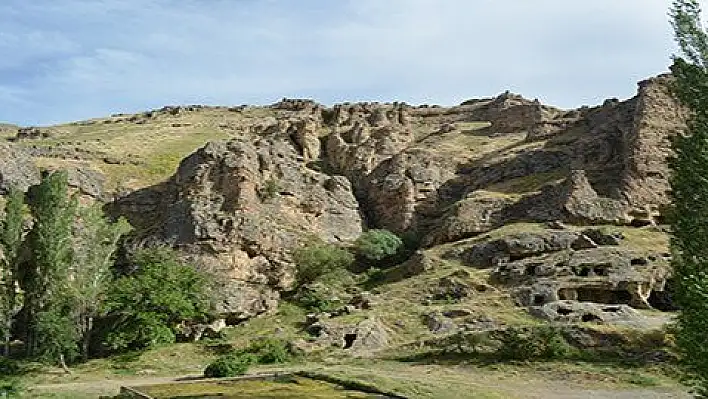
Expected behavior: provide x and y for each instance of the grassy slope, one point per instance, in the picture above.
(141, 154)
(411, 367)
(157, 146)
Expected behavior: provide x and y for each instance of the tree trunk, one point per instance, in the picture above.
(86, 339)
(62, 362)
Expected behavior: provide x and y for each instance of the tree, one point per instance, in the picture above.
(689, 190)
(377, 245)
(317, 259)
(95, 243)
(44, 273)
(10, 242)
(150, 303)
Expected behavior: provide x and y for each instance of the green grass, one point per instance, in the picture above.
(284, 387)
(157, 145)
(526, 184)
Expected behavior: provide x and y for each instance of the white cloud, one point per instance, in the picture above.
(74, 59)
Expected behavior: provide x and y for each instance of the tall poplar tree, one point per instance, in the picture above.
(10, 242)
(95, 243)
(689, 189)
(45, 272)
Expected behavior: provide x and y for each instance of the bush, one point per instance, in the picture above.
(11, 389)
(262, 351)
(270, 350)
(316, 260)
(376, 245)
(9, 367)
(532, 343)
(230, 365)
(149, 304)
(316, 302)
(270, 189)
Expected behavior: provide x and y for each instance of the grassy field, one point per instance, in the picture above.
(134, 151)
(413, 365)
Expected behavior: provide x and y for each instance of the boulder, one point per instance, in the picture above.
(437, 323)
(16, 168)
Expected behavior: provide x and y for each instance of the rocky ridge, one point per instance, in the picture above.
(298, 170)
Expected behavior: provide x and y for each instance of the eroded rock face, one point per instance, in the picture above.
(658, 116)
(573, 200)
(440, 174)
(586, 312)
(605, 274)
(364, 135)
(238, 208)
(16, 168)
(361, 338)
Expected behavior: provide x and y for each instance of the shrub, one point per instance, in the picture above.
(11, 389)
(230, 365)
(9, 367)
(376, 245)
(532, 343)
(316, 260)
(270, 350)
(315, 301)
(270, 189)
(149, 304)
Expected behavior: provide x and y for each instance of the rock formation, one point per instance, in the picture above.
(298, 170)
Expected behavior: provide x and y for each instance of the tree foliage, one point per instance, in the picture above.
(689, 190)
(318, 259)
(149, 303)
(376, 245)
(45, 272)
(10, 242)
(95, 242)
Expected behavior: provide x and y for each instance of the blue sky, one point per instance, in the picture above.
(66, 60)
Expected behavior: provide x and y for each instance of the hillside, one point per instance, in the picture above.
(516, 213)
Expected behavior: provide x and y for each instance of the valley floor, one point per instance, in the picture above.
(547, 380)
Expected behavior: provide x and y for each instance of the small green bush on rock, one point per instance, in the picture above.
(270, 350)
(318, 259)
(376, 245)
(532, 343)
(230, 365)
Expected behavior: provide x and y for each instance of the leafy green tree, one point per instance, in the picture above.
(318, 259)
(45, 272)
(689, 189)
(10, 242)
(377, 245)
(150, 303)
(95, 243)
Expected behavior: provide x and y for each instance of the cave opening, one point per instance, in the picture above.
(539, 300)
(564, 311)
(589, 318)
(609, 297)
(349, 340)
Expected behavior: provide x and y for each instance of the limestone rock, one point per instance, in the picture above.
(236, 301)
(657, 117)
(438, 323)
(16, 168)
(606, 275)
(366, 336)
(576, 312)
(238, 208)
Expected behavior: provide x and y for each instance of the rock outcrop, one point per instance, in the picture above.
(436, 174)
(590, 265)
(16, 168)
(657, 117)
(238, 208)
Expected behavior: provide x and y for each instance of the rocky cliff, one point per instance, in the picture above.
(297, 171)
